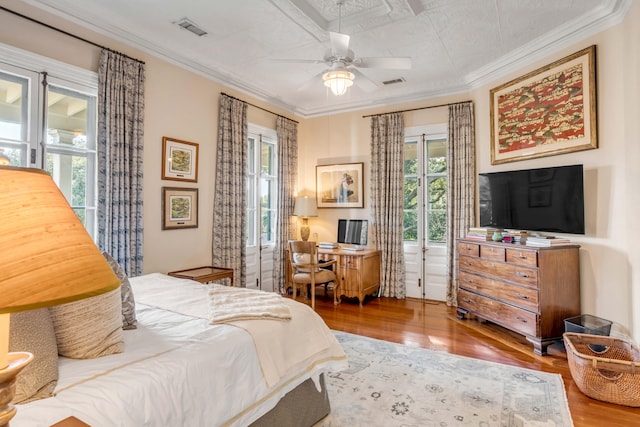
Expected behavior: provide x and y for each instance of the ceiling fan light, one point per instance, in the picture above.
(338, 81)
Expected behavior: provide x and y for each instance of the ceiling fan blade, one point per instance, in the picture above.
(363, 82)
(312, 82)
(397, 63)
(339, 44)
(298, 61)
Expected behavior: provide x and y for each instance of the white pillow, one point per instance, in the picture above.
(304, 258)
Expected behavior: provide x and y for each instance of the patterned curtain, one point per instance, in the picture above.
(287, 131)
(461, 189)
(387, 201)
(120, 145)
(230, 197)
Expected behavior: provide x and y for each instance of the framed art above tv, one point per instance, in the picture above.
(549, 111)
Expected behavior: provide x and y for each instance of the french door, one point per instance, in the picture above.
(425, 212)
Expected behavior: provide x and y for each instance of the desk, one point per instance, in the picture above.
(204, 274)
(357, 271)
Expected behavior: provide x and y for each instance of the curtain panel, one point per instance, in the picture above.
(230, 196)
(387, 201)
(287, 131)
(119, 151)
(461, 194)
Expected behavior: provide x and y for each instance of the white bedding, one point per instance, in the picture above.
(177, 369)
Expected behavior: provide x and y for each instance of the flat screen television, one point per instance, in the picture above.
(353, 233)
(545, 199)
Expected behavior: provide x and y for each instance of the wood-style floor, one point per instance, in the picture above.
(433, 324)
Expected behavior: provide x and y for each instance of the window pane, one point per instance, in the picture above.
(252, 155)
(437, 226)
(266, 162)
(67, 118)
(15, 152)
(410, 225)
(411, 158)
(437, 157)
(13, 107)
(437, 193)
(70, 173)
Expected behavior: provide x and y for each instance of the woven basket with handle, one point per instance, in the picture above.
(604, 368)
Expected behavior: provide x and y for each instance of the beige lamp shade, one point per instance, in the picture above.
(46, 255)
(305, 207)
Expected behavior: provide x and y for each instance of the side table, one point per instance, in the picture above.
(204, 274)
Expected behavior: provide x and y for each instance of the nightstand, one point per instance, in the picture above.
(204, 274)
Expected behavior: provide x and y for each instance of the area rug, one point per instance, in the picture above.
(388, 384)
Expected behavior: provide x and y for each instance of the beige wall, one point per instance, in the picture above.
(183, 105)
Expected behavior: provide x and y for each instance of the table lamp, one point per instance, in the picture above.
(46, 258)
(305, 207)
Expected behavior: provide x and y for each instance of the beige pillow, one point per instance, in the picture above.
(89, 328)
(129, 320)
(32, 331)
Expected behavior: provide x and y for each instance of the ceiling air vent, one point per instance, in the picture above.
(190, 26)
(394, 81)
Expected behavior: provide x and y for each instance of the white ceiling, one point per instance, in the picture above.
(454, 45)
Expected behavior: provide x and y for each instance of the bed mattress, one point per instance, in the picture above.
(176, 368)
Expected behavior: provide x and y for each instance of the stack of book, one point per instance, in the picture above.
(482, 233)
(546, 241)
(515, 236)
(328, 245)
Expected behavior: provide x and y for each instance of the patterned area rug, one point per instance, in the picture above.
(389, 384)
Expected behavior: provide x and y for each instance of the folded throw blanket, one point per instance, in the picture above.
(227, 304)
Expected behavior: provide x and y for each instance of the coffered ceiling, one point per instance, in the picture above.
(454, 45)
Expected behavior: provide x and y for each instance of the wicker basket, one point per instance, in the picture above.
(604, 368)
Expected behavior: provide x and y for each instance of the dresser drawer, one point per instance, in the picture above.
(522, 257)
(526, 298)
(493, 253)
(471, 249)
(516, 319)
(512, 273)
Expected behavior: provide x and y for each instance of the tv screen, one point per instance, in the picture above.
(545, 199)
(353, 231)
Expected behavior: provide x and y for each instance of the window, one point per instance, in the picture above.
(261, 186)
(425, 159)
(64, 142)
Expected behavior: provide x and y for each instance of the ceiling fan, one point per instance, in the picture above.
(344, 63)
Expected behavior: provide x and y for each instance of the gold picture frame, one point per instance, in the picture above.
(549, 111)
(179, 208)
(340, 185)
(179, 160)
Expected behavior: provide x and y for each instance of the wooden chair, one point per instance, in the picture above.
(307, 270)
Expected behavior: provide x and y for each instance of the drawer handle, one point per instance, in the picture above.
(520, 257)
(468, 280)
(519, 274)
(466, 263)
(467, 300)
(523, 320)
(522, 296)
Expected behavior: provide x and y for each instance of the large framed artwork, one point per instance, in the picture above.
(179, 208)
(179, 160)
(549, 111)
(340, 185)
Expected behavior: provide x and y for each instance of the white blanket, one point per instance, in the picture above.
(228, 303)
(176, 369)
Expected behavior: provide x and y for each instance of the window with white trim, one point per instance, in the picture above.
(49, 121)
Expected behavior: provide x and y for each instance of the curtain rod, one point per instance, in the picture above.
(257, 106)
(51, 27)
(416, 109)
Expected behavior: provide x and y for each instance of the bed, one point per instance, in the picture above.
(177, 369)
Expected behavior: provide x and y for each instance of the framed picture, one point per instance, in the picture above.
(340, 185)
(549, 111)
(179, 208)
(179, 160)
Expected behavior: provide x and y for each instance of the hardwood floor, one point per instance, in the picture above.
(432, 324)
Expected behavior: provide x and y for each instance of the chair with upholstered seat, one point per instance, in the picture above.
(307, 270)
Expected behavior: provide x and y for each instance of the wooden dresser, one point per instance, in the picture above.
(526, 289)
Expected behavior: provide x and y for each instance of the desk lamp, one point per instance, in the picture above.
(305, 207)
(46, 258)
